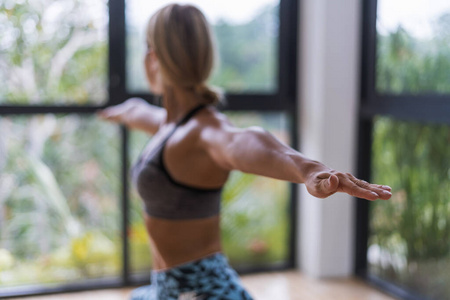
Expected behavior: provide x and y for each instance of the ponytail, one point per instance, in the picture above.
(211, 95)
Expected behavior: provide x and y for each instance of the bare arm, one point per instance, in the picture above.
(256, 151)
(135, 113)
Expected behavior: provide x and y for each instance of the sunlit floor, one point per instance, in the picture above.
(268, 286)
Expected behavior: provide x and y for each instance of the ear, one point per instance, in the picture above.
(153, 72)
(150, 60)
(152, 53)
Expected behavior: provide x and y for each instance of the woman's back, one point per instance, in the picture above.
(181, 189)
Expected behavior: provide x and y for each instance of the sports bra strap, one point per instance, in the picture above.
(186, 118)
(190, 114)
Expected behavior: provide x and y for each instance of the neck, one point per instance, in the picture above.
(178, 102)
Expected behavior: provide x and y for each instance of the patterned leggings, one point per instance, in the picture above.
(210, 278)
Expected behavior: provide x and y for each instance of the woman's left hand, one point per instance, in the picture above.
(324, 184)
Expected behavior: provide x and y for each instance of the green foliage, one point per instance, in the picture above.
(59, 200)
(248, 55)
(140, 254)
(415, 160)
(408, 65)
(411, 232)
(92, 254)
(414, 225)
(6, 260)
(53, 52)
(255, 219)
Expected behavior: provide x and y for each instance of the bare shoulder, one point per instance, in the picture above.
(215, 135)
(212, 125)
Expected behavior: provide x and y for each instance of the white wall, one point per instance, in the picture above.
(328, 91)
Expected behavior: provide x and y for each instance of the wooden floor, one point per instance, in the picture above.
(267, 286)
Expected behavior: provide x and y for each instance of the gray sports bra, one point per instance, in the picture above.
(163, 196)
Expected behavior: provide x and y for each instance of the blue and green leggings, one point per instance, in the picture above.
(210, 278)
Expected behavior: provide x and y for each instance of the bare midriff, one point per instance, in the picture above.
(175, 242)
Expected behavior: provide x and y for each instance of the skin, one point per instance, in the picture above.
(215, 147)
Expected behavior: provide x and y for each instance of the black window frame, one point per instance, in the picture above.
(284, 101)
(424, 108)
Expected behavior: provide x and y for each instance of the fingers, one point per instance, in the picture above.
(349, 187)
(362, 189)
(384, 187)
(383, 192)
(107, 112)
(323, 185)
(101, 113)
(104, 114)
(363, 183)
(333, 183)
(328, 183)
(110, 114)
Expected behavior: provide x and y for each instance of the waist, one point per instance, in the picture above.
(175, 242)
(194, 261)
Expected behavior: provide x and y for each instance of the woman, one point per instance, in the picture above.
(181, 172)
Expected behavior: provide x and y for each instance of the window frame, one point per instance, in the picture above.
(284, 100)
(429, 108)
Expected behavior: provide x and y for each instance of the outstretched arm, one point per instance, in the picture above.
(135, 113)
(256, 151)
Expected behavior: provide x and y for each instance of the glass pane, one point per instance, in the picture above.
(410, 234)
(53, 52)
(247, 35)
(413, 53)
(59, 200)
(140, 255)
(255, 220)
(255, 210)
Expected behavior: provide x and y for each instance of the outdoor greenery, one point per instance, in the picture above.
(59, 199)
(248, 54)
(408, 65)
(53, 52)
(60, 184)
(410, 234)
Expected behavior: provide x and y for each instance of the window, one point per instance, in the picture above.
(413, 56)
(60, 230)
(59, 202)
(53, 52)
(247, 41)
(404, 135)
(408, 243)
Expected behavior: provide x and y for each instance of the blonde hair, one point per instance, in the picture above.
(182, 40)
